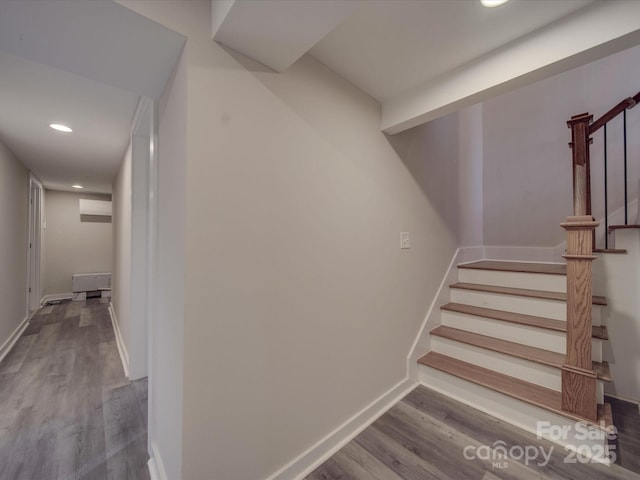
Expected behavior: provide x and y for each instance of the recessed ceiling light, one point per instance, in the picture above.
(61, 128)
(77, 186)
(492, 3)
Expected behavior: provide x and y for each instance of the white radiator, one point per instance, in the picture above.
(90, 282)
(101, 208)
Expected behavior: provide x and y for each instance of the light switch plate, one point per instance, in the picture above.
(404, 240)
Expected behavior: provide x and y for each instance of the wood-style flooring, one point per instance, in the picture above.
(66, 409)
(425, 437)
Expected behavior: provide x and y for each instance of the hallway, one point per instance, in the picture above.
(66, 409)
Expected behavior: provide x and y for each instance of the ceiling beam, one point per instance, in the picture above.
(276, 33)
(599, 30)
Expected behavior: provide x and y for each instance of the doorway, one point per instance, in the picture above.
(34, 287)
(143, 232)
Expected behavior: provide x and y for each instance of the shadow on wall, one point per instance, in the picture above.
(94, 219)
(431, 153)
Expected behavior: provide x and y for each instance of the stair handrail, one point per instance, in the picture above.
(625, 104)
(578, 375)
(582, 127)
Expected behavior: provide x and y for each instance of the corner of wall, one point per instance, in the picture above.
(6, 347)
(315, 456)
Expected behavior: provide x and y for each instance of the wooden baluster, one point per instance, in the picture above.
(578, 376)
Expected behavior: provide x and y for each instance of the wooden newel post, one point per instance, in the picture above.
(578, 376)
(579, 125)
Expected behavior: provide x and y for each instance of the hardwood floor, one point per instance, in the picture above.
(66, 409)
(425, 436)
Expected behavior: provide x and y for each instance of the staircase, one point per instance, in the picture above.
(524, 341)
(501, 344)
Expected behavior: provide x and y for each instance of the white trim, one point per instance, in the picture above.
(56, 296)
(421, 344)
(152, 262)
(122, 349)
(13, 338)
(624, 399)
(153, 469)
(34, 243)
(155, 464)
(143, 192)
(315, 456)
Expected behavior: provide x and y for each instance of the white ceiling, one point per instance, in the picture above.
(34, 95)
(85, 64)
(387, 47)
(422, 59)
(276, 32)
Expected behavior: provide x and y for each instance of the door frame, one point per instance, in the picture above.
(144, 186)
(34, 244)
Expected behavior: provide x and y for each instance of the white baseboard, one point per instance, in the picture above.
(155, 465)
(315, 456)
(122, 349)
(153, 469)
(56, 296)
(13, 338)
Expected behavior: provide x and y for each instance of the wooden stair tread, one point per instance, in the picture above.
(609, 250)
(520, 318)
(523, 292)
(518, 350)
(514, 387)
(519, 267)
(622, 227)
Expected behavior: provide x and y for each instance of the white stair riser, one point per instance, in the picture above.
(626, 239)
(532, 281)
(596, 350)
(526, 370)
(513, 332)
(521, 414)
(539, 307)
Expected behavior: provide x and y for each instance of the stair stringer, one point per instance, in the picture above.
(618, 277)
(422, 343)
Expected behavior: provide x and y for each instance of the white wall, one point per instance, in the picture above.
(131, 251)
(71, 245)
(300, 307)
(121, 278)
(470, 173)
(617, 277)
(527, 162)
(14, 233)
(167, 346)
